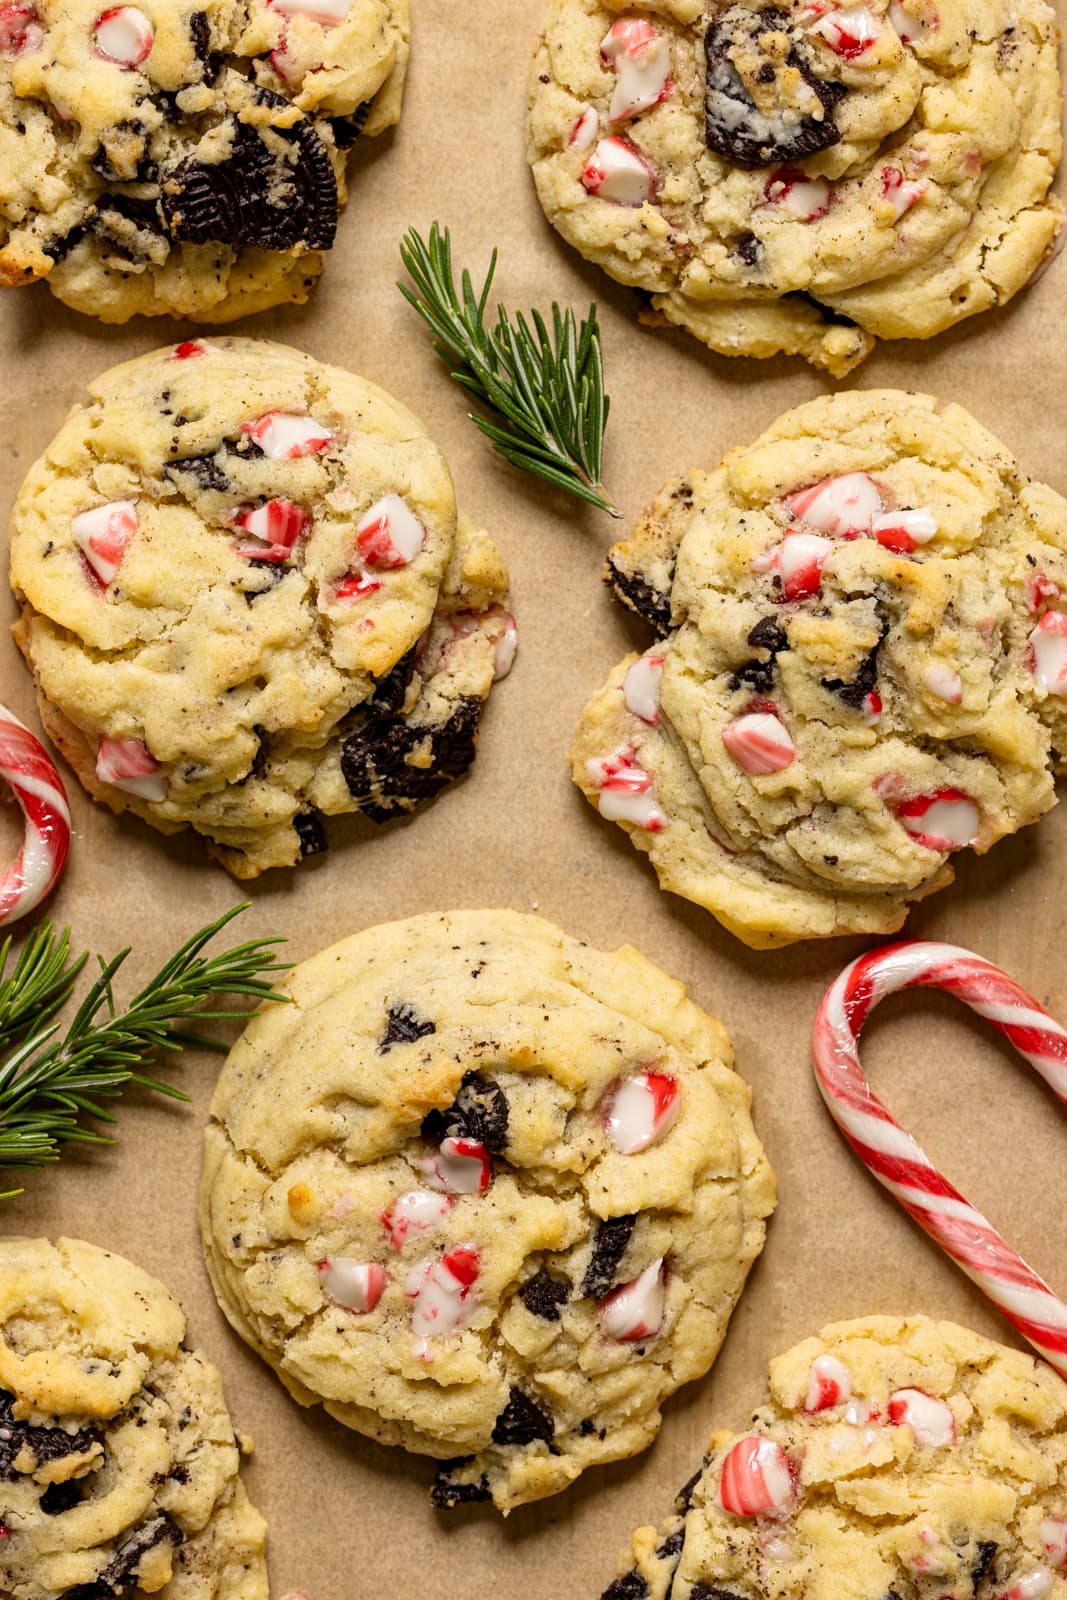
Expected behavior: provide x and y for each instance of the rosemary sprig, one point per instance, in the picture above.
(545, 385)
(49, 1081)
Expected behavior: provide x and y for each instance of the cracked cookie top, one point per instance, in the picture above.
(894, 1457)
(118, 1461)
(862, 668)
(802, 177)
(182, 160)
(247, 599)
(484, 1193)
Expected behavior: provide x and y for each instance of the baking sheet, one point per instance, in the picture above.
(349, 1518)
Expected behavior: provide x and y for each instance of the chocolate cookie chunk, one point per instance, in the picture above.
(764, 102)
(392, 767)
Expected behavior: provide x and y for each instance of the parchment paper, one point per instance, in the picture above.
(348, 1518)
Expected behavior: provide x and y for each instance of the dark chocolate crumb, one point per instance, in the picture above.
(346, 130)
(311, 833)
(375, 765)
(632, 1587)
(987, 1551)
(768, 634)
(544, 1296)
(708, 1591)
(205, 472)
(671, 1545)
(634, 591)
(684, 1498)
(404, 1026)
(446, 1494)
(479, 1111)
(391, 691)
(121, 1574)
(609, 1247)
(836, 319)
(60, 1497)
(43, 1444)
(522, 1421)
(586, 1427)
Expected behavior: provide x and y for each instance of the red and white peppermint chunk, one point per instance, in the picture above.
(845, 506)
(829, 1384)
(635, 1310)
(355, 1285)
(806, 199)
(284, 436)
(461, 1166)
(899, 191)
(128, 764)
(642, 63)
(1039, 589)
(274, 528)
(584, 132)
(1033, 1585)
(641, 687)
(931, 1421)
(626, 790)
(947, 820)
(390, 534)
(1053, 1535)
(800, 563)
(619, 173)
(757, 1479)
(443, 1292)
(505, 641)
(20, 30)
(1048, 653)
(901, 531)
(872, 707)
(189, 349)
(942, 682)
(849, 31)
(327, 13)
(102, 535)
(760, 743)
(909, 29)
(414, 1213)
(641, 1110)
(123, 35)
(356, 586)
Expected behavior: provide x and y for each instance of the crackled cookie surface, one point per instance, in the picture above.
(185, 158)
(484, 1193)
(862, 668)
(248, 602)
(894, 1457)
(118, 1461)
(802, 177)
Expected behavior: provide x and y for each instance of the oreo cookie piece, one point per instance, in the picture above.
(479, 1111)
(629, 1587)
(609, 1247)
(634, 590)
(764, 102)
(545, 1296)
(404, 1026)
(522, 1421)
(391, 767)
(124, 1571)
(447, 1493)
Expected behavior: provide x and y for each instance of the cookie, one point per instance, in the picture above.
(798, 177)
(861, 668)
(186, 160)
(895, 1457)
(248, 601)
(118, 1461)
(485, 1193)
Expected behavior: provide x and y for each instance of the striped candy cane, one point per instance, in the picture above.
(39, 791)
(893, 1155)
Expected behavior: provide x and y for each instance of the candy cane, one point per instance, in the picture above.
(39, 791)
(893, 1155)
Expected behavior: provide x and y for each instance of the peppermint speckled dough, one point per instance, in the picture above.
(247, 599)
(895, 1456)
(484, 1193)
(118, 1462)
(186, 159)
(801, 178)
(863, 668)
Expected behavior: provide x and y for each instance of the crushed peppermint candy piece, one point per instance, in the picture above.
(1048, 653)
(275, 527)
(635, 1310)
(800, 563)
(461, 1166)
(756, 1478)
(899, 192)
(416, 1212)
(102, 535)
(619, 173)
(943, 682)
(390, 534)
(641, 686)
(356, 586)
(327, 13)
(850, 31)
(872, 707)
(947, 820)
(189, 349)
(760, 743)
(355, 1285)
(845, 507)
(283, 436)
(829, 1384)
(20, 29)
(123, 35)
(584, 133)
(128, 764)
(806, 199)
(642, 63)
(641, 1110)
(1039, 589)
(1033, 1585)
(505, 643)
(443, 1292)
(626, 790)
(1053, 1535)
(931, 1421)
(901, 531)
(907, 27)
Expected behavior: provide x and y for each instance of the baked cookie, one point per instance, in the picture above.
(862, 668)
(186, 159)
(895, 1457)
(484, 1193)
(118, 1462)
(247, 599)
(797, 176)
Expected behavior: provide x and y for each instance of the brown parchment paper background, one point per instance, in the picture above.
(350, 1519)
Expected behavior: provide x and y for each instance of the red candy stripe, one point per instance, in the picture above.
(894, 1157)
(39, 791)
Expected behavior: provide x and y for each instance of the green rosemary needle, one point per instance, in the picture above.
(545, 385)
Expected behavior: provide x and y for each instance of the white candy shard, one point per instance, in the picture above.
(829, 1384)
(619, 173)
(1053, 1534)
(908, 29)
(635, 1310)
(931, 1421)
(416, 1212)
(806, 199)
(123, 35)
(583, 135)
(325, 12)
(1032, 1585)
(626, 790)
(127, 764)
(800, 563)
(283, 436)
(947, 820)
(390, 534)
(900, 193)
(1048, 653)
(355, 1285)
(641, 688)
(505, 646)
(849, 31)
(756, 1478)
(642, 63)
(443, 1292)
(902, 530)
(845, 507)
(102, 535)
(941, 681)
(461, 1166)
(759, 743)
(641, 1110)
(20, 29)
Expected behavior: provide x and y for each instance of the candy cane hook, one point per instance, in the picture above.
(39, 791)
(894, 1157)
